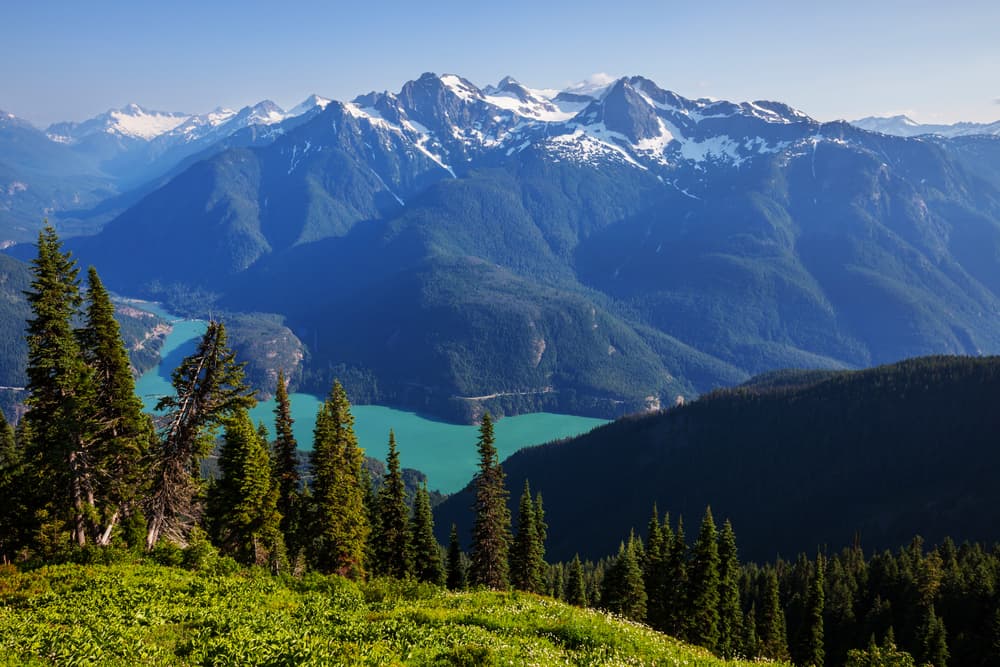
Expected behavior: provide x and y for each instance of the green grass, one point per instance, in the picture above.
(155, 615)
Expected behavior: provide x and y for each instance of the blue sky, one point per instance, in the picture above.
(71, 60)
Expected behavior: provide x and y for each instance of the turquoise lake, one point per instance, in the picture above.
(445, 452)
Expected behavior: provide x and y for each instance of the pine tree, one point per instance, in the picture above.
(540, 567)
(61, 393)
(576, 588)
(286, 459)
(455, 566)
(491, 531)
(244, 502)
(933, 649)
(623, 591)
(391, 531)
(730, 613)
(773, 638)
(703, 587)
(426, 550)
(527, 562)
(209, 388)
(814, 650)
(751, 645)
(123, 433)
(341, 524)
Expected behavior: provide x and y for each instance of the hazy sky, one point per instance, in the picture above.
(935, 61)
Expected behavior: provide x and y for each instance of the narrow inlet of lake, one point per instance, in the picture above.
(445, 452)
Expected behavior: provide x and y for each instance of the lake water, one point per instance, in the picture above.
(445, 452)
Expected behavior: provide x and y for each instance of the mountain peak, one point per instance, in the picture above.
(594, 86)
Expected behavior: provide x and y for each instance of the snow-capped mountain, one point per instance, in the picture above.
(903, 126)
(730, 238)
(131, 121)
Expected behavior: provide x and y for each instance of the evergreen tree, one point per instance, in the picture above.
(341, 524)
(244, 502)
(654, 572)
(751, 645)
(455, 566)
(426, 550)
(209, 388)
(623, 591)
(933, 649)
(14, 523)
(886, 655)
(730, 612)
(491, 531)
(123, 433)
(540, 567)
(703, 587)
(527, 559)
(576, 589)
(677, 582)
(773, 638)
(814, 650)
(61, 395)
(286, 458)
(391, 531)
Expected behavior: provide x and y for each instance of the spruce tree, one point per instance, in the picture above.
(391, 531)
(527, 560)
(209, 388)
(576, 588)
(341, 528)
(703, 587)
(814, 650)
(540, 567)
(772, 635)
(286, 458)
(123, 433)
(677, 582)
(623, 591)
(455, 566)
(730, 612)
(933, 648)
(14, 524)
(654, 572)
(244, 501)
(426, 550)
(60, 394)
(491, 531)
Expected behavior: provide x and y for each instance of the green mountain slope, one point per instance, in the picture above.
(150, 615)
(880, 454)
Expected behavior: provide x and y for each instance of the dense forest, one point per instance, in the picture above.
(88, 478)
(798, 461)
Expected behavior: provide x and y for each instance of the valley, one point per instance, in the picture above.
(443, 451)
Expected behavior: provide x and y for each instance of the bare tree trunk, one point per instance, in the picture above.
(79, 521)
(104, 539)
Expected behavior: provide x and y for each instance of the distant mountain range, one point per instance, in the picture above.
(902, 126)
(602, 249)
(71, 167)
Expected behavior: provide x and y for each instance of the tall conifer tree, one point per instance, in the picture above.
(286, 457)
(209, 388)
(391, 537)
(341, 525)
(773, 635)
(814, 650)
(244, 502)
(703, 587)
(677, 582)
(527, 561)
(60, 386)
(123, 433)
(576, 587)
(730, 613)
(491, 531)
(426, 550)
(623, 591)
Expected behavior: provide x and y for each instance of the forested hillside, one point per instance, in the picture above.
(877, 456)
